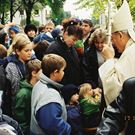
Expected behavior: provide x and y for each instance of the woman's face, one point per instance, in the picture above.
(70, 40)
(99, 44)
(26, 53)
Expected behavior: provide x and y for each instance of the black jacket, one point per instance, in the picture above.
(120, 113)
(90, 66)
(73, 71)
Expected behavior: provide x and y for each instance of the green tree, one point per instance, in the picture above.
(4, 9)
(99, 6)
(28, 6)
(55, 5)
(57, 9)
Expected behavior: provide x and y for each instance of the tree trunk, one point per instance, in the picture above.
(28, 15)
(3, 18)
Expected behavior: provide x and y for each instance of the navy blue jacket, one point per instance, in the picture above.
(47, 113)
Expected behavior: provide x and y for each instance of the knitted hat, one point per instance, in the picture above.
(68, 91)
(123, 20)
(15, 29)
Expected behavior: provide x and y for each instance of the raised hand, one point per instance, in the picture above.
(108, 51)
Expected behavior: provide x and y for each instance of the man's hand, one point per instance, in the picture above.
(108, 51)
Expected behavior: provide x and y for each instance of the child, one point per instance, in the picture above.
(40, 49)
(48, 108)
(71, 95)
(22, 111)
(31, 31)
(90, 100)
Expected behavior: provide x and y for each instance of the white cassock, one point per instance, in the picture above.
(115, 71)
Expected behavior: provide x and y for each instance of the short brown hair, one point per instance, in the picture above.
(40, 49)
(52, 62)
(32, 65)
(3, 51)
(88, 21)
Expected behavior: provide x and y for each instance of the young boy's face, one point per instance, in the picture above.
(49, 28)
(59, 74)
(31, 33)
(74, 99)
(37, 74)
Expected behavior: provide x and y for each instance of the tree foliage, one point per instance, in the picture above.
(99, 6)
(56, 6)
(4, 8)
(29, 6)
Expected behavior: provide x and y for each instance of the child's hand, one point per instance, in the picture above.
(97, 90)
(97, 94)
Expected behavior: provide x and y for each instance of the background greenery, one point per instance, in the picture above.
(57, 15)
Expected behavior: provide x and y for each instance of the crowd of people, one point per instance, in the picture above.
(67, 79)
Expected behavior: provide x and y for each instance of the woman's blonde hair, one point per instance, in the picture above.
(52, 62)
(83, 89)
(97, 34)
(19, 42)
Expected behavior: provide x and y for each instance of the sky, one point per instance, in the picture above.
(81, 13)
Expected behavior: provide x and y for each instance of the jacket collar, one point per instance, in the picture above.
(44, 79)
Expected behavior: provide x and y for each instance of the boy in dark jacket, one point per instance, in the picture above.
(71, 96)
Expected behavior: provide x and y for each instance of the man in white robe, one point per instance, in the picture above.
(115, 71)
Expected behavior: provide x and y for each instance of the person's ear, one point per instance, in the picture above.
(33, 73)
(17, 51)
(120, 34)
(55, 72)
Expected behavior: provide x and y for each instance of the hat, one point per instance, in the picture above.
(55, 32)
(43, 36)
(15, 29)
(68, 91)
(122, 20)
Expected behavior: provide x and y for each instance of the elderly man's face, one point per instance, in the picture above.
(118, 41)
